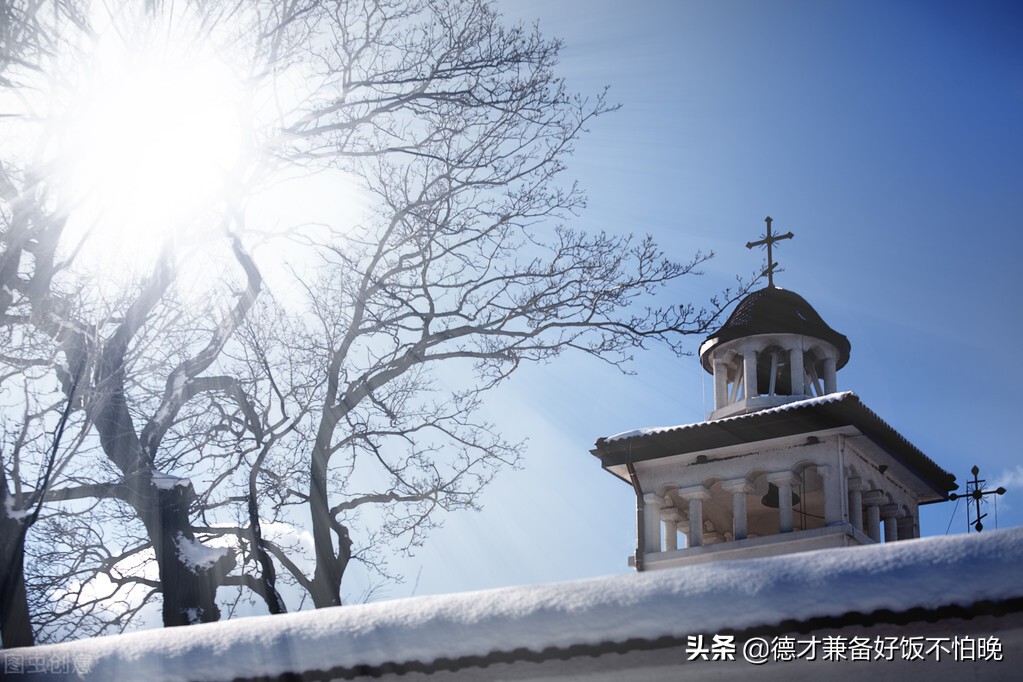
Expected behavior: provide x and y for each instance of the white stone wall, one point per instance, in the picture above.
(824, 489)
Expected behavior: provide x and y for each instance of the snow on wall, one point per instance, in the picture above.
(929, 573)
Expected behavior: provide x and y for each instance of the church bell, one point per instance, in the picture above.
(771, 498)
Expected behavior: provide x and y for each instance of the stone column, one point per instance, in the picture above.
(906, 527)
(784, 480)
(652, 523)
(796, 365)
(873, 501)
(720, 384)
(832, 495)
(749, 373)
(889, 513)
(695, 495)
(740, 488)
(830, 381)
(855, 485)
(671, 517)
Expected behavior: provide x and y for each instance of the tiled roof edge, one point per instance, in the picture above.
(787, 407)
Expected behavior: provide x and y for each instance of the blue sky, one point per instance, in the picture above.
(888, 136)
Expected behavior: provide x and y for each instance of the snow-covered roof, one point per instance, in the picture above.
(835, 410)
(919, 578)
(787, 407)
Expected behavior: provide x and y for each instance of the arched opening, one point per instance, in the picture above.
(810, 512)
(774, 376)
(807, 503)
(761, 518)
(813, 366)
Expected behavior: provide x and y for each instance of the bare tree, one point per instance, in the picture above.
(460, 140)
(33, 457)
(130, 391)
(354, 407)
(131, 423)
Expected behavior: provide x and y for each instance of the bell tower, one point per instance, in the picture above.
(785, 462)
(773, 349)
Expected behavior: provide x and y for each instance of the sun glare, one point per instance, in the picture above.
(155, 140)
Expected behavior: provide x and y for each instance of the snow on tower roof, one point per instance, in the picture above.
(821, 413)
(787, 407)
(901, 582)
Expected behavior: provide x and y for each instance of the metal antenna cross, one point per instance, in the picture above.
(975, 491)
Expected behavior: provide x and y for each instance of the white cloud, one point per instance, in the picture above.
(1010, 479)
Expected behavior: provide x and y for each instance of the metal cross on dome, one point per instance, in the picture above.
(975, 491)
(769, 239)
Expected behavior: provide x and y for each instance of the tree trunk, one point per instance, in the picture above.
(330, 564)
(15, 625)
(189, 571)
(267, 572)
(326, 587)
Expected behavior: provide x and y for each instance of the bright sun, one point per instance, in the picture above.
(154, 140)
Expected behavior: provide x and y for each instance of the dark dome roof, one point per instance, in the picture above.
(775, 311)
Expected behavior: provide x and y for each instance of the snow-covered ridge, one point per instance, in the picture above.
(930, 573)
